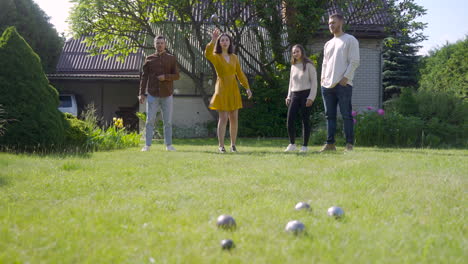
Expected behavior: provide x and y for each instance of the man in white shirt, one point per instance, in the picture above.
(340, 61)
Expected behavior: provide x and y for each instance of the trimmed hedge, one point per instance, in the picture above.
(30, 103)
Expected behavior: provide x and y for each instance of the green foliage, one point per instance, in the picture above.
(444, 117)
(28, 99)
(391, 129)
(446, 69)
(3, 121)
(401, 63)
(267, 118)
(33, 24)
(108, 138)
(76, 133)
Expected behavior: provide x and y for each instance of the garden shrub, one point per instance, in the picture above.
(444, 119)
(445, 69)
(30, 103)
(114, 136)
(76, 133)
(391, 129)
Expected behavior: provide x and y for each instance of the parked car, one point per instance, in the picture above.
(68, 104)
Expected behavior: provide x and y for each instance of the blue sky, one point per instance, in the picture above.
(446, 19)
(446, 22)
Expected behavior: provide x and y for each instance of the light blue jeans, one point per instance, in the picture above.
(153, 105)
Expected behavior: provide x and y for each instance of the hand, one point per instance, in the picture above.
(215, 35)
(309, 103)
(249, 93)
(161, 78)
(288, 101)
(142, 98)
(344, 81)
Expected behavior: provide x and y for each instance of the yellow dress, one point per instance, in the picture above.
(227, 95)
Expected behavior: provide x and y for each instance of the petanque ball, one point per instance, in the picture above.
(295, 227)
(336, 212)
(226, 222)
(214, 18)
(227, 244)
(302, 206)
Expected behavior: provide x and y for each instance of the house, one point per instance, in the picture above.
(113, 86)
(110, 85)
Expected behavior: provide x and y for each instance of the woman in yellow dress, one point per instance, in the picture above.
(226, 99)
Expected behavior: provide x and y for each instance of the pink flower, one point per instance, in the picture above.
(381, 112)
(354, 113)
(370, 108)
(354, 120)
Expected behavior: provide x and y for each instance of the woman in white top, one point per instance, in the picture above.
(301, 95)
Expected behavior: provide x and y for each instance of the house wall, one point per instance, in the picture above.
(367, 83)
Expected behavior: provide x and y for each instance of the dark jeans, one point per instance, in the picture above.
(298, 104)
(338, 96)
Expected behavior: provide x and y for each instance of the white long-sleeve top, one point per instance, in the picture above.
(340, 59)
(301, 79)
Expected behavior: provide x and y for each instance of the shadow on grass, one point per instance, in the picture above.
(4, 181)
(421, 151)
(50, 153)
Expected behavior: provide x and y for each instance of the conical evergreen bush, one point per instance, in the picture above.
(30, 103)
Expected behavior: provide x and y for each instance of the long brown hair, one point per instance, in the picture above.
(219, 50)
(304, 58)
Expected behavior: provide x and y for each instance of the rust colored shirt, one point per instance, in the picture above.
(154, 66)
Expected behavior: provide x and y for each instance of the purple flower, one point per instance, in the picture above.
(381, 112)
(370, 108)
(354, 120)
(354, 113)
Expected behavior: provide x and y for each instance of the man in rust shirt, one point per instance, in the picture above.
(156, 87)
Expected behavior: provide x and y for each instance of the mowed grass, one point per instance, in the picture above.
(401, 205)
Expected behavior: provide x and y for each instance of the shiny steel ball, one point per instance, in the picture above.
(302, 206)
(214, 18)
(227, 244)
(226, 222)
(295, 227)
(336, 212)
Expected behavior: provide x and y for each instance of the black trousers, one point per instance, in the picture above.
(298, 104)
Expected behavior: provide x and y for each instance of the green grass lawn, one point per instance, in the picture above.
(126, 206)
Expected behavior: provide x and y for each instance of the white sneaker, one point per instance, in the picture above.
(145, 148)
(291, 147)
(170, 148)
(304, 149)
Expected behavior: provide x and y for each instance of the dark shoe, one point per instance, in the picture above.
(233, 148)
(349, 147)
(328, 147)
(222, 150)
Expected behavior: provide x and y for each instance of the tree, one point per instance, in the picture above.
(30, 103)
(401, 62)
(33, 24)
(446, 69)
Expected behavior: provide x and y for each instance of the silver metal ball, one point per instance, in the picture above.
(214, 18)
(295, 227)
(336, 212)
(226, 222)
(227, 244)
(302, 206)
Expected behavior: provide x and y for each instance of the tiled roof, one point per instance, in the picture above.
(76, 59)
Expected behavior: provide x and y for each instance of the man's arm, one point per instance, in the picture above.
(174, 75)
(144, 79)
(353, 58)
